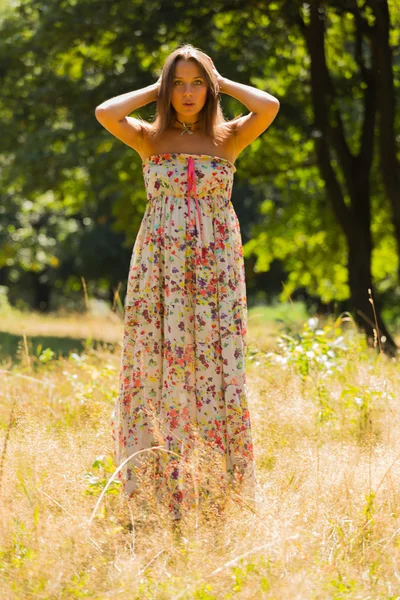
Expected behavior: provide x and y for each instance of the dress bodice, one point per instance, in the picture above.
(178, 175)
(168, 174)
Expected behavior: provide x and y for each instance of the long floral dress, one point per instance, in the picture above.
(183, 364)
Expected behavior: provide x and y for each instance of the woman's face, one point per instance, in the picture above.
(189, 90)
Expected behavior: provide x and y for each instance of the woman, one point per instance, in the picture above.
(184, 347)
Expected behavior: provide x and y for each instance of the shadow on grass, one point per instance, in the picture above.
(11, 345)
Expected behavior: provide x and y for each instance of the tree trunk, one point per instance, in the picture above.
(330, 142)
(361, 287)
(383, 67)
(42, 291)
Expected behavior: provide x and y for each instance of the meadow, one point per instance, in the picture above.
(326, 426)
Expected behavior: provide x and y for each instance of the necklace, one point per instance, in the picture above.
(187, 128)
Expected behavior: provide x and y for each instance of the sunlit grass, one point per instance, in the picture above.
(75, 325)
(326, 521)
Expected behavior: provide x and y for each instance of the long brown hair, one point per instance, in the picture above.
(211, 114)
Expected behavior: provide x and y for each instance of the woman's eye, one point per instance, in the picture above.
(197, 82)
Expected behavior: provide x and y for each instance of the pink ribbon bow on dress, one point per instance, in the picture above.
(192, 187)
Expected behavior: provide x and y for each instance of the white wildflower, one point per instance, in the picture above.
(313, 322)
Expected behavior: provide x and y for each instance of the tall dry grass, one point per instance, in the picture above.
(326, 417)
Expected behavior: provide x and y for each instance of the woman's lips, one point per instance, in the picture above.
(188, 104)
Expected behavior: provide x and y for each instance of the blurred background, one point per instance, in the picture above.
(317, 195)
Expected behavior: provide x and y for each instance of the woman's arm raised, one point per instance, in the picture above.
(113, 115)
(263, 106)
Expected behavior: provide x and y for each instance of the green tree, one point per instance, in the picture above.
(326, 210)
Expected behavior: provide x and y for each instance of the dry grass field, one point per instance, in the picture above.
(326, 426)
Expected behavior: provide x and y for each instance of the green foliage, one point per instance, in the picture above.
(297, 227)
(369, 508)
(73, 196)
(360, 399)
(78, 586)
(204, 593)
(103, 467)
(46, 355)
(325, 411)
(340, 587)
(313, 349)
(322, 357)
(4, 303)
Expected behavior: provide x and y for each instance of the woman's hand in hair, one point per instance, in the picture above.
(218, 77)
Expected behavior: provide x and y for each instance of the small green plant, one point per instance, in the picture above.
(341, 586)
(204, 593)
(313, 349)
(369, 511)
(325, 412)
(19, 552)
(358, 402)
(46, 355)
(103, 465)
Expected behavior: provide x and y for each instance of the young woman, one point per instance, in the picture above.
(184, 346)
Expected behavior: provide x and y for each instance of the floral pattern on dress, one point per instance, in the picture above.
(184, 345)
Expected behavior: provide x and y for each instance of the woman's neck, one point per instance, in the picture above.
(183, 123)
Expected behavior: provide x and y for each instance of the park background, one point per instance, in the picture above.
(317, 197)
